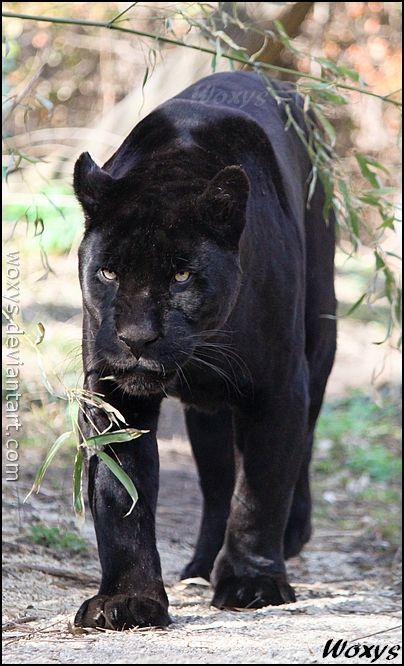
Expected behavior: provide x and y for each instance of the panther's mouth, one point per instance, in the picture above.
(145, 378)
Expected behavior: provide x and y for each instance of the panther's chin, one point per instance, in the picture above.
(142, 384)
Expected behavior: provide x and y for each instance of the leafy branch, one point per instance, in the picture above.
(238, 58)
(81, 398)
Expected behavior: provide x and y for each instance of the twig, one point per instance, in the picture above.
(20, 620)
(56, 572)
(32, 633)
(203, 49)
(382, 631)
(24, 92)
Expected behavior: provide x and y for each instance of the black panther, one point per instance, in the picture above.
(207, 275)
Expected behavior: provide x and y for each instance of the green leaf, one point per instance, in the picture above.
(380, 264)
(388, 221)
(237, 53)
(78, 503)
(328, 187)
(115, 437)
(228, 40)
(326, 62)
(145, 78)
(389, 330)
(48, 459)
(355, 305)
(351, 214)
(393, 254)
(324, 91)
(284, 38)
(374, 163)
(326, 125)
(363, 163)
(339, 70)
(398, 306)
(349, 73)
(121, 475)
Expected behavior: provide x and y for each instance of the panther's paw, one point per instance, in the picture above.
(296, 537)
(121, 612)
(252, 592)
(197, 568)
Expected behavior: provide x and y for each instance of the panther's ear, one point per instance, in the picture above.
(223, 203)
(91, 184)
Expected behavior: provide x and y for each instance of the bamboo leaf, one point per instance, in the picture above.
(355, 305)
(41, 333)
(48, 459)
(78, 503)
(96, 400)
(121, 475)
(340, 70)
(145, 78)
(351, 214)
(116, 437)
(109, 409)
(374, 163)
(349, 73)
(284, 37)
(380, 264)
(228, 40)
(398, 306)
(327, 126)
(371, 177)
(324, 91)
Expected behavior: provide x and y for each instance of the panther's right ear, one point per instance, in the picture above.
(91, 184)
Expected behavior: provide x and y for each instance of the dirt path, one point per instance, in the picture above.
(344, 591)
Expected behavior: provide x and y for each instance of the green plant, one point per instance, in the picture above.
(54, 537)
(357, 454)
(77, 399)
(375, 460)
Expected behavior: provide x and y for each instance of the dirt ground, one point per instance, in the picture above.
(344, 589)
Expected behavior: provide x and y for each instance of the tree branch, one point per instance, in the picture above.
(257, 64)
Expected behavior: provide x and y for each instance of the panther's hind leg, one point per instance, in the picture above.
(298, 530)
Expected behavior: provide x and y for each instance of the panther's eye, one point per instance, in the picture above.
(182, 276)
(108, 275)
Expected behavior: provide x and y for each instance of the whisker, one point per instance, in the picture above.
(182, 375)
(212, 358)
(219, 371)
(228, 352)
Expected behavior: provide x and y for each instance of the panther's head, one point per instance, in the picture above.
(159, 264)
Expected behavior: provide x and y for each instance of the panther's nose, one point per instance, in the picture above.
(138, 343)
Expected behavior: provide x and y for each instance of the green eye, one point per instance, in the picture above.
(182, 276)
(108, 275)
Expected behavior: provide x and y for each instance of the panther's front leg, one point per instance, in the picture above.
(249, 571)
(132, 591)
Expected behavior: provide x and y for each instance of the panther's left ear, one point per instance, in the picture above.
(223, 203)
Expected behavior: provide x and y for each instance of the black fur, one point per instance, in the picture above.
(212, 185)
